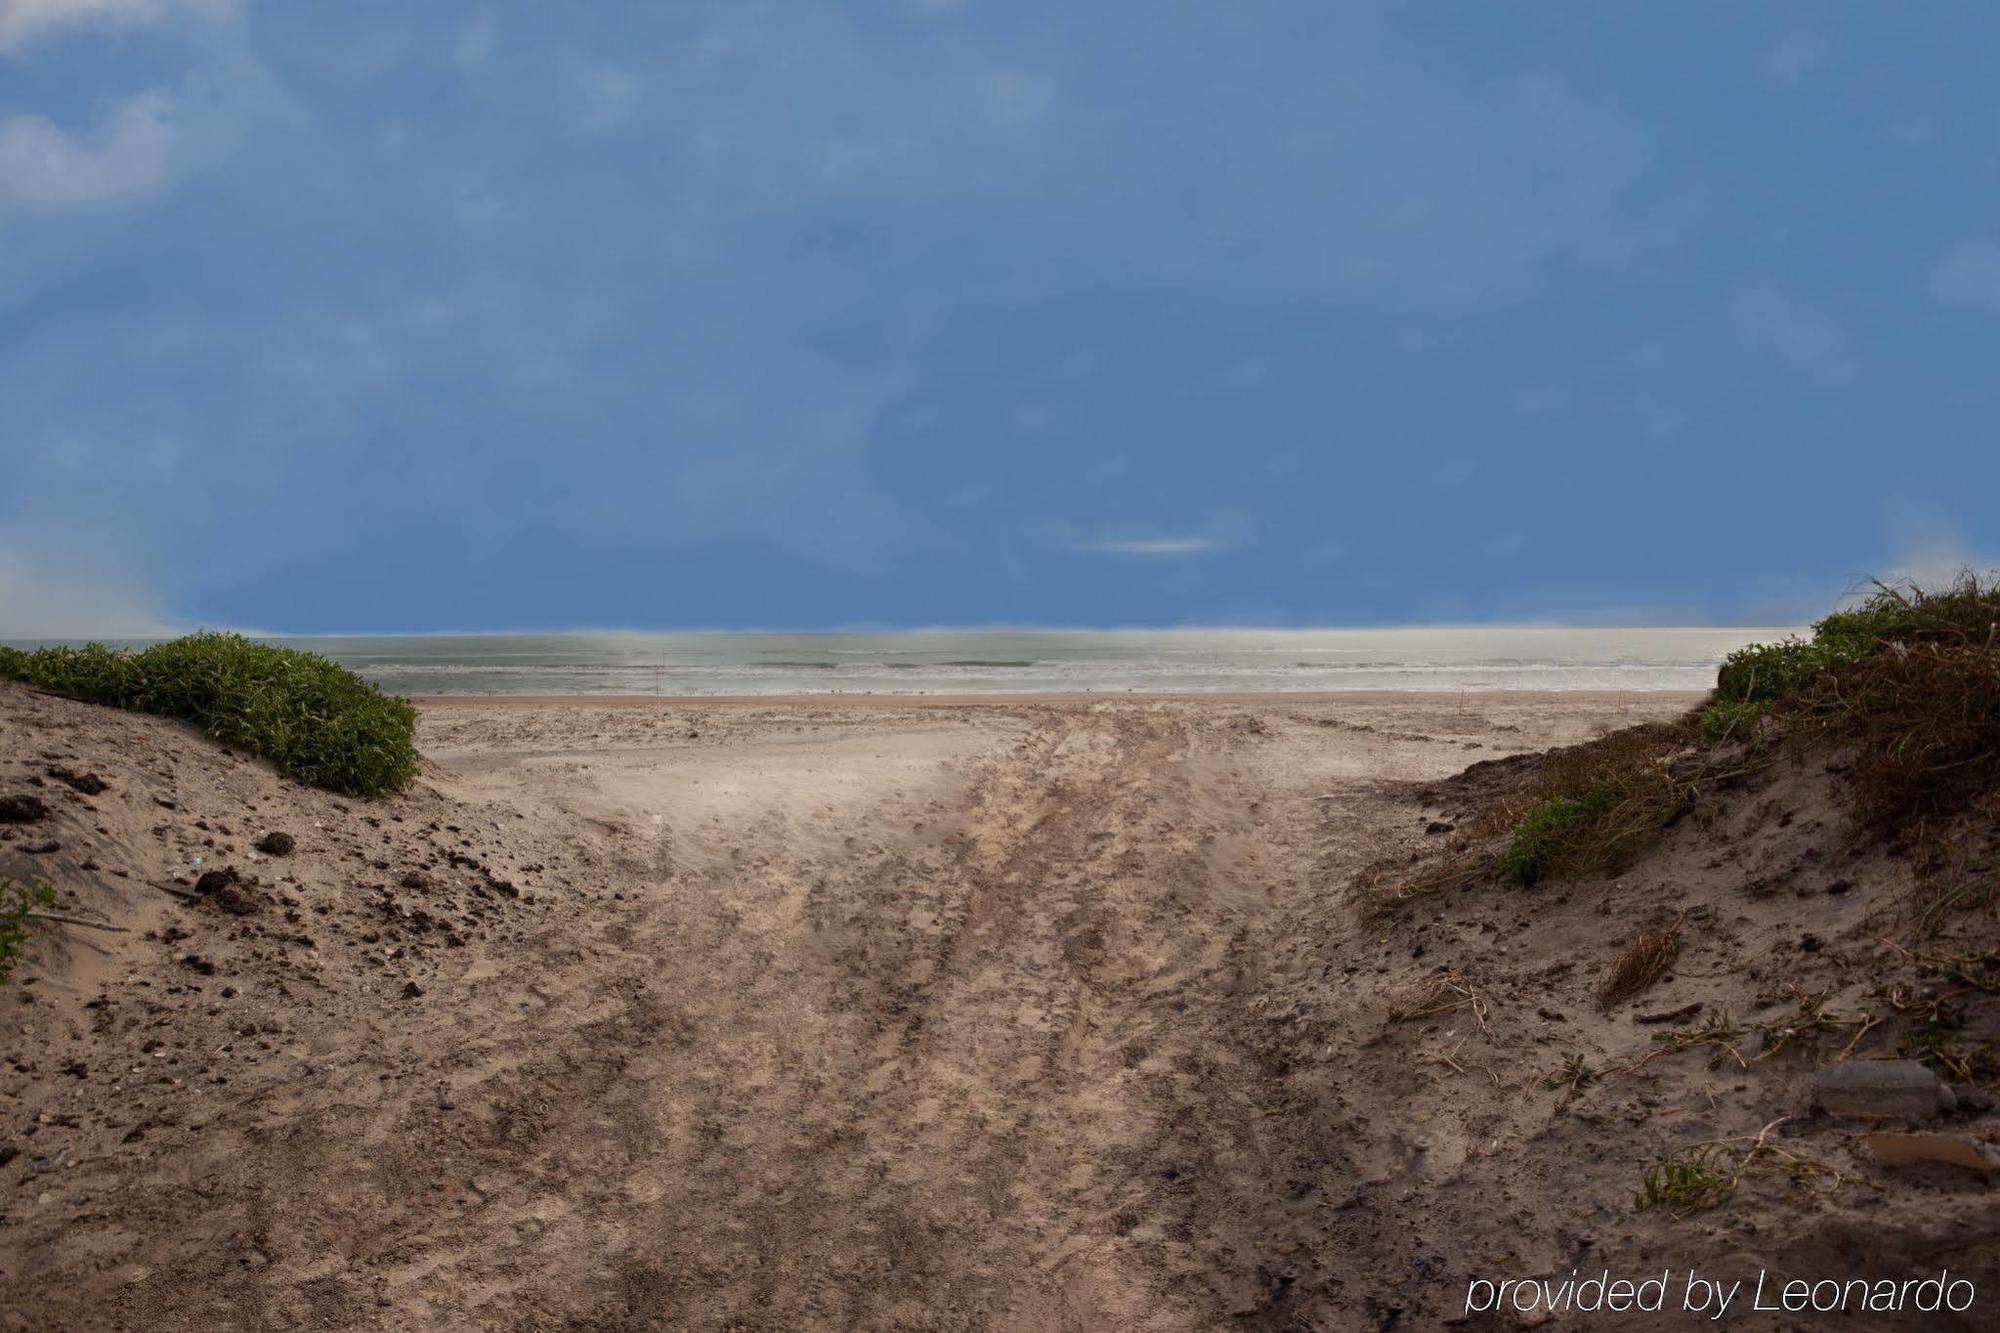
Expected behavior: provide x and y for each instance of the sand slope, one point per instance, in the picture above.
(1018, 1014)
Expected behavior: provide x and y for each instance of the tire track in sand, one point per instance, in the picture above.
(966, 1084)
(982, 1075)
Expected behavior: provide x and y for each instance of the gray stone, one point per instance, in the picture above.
(1881, 1090)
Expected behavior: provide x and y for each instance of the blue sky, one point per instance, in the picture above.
(394, 317)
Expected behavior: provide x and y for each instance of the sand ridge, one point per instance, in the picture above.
(799, 1013)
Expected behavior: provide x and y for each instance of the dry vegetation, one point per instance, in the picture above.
(1904, 690)
(1875, 937)
(1643, 962)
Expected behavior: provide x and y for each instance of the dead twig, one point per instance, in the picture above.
(68, 920)
(1444, 993)
(1854, 1041)
(1717, 1030)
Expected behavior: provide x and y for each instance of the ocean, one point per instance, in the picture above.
(1038, 661)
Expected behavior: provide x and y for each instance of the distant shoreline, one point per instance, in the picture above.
(999, 698)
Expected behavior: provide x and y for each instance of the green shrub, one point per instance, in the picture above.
(1763, 672)
(313, 719)
(1730, 717)
(16, 901)
(1638, 792)
(1908, 680)
(1547, 829)
(1965, 613)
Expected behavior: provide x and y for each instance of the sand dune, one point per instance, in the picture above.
(1025, 1013)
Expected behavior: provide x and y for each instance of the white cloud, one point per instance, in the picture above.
(476, 43)
(1792, 62)
(1163, 548)
(608, 96)
(1970, 275)
(43, 165)
(1808, 340)
(22, 21)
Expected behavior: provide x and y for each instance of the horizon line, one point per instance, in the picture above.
(998, 627)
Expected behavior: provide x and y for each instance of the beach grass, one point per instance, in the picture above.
(1904, 687)
(313, 719)
(1961, 614)
(18, 905)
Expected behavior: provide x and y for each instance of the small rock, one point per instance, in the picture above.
(22, 809)
(194, 962)
(236, 900)
(1881, 1089)
(87, 783)
(277, 844)
(1918, 1149)
(214, 881)
(411, 990)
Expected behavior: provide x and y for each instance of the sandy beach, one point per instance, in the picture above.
(930, 666)
(881, 1012)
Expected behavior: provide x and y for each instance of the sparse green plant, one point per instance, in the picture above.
(1599, 829)
(1718, 1030)
(18, 905)
(1806, 1025)
(1904, 686)
(1701, 1175)
(1546, 829)
(1687, 1180)
(1731, 719)
(1939, 1041)
(1574, 1076)
(1964, 613)
(313, 719)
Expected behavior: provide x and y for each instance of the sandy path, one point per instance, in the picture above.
(922, 1015)
(859, 1013)
(937, 1070)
